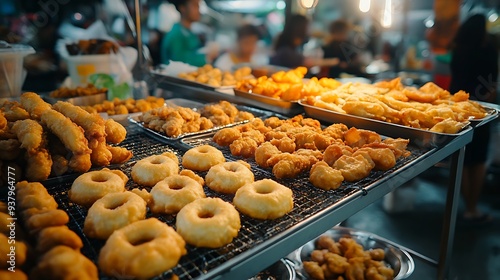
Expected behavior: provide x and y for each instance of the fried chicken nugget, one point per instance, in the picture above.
(93, 124)
(63, 262)
(325, 177)
(334, 152)
(226, 136)
(312, 140)
(286, 165)
(358, 137)
(336, 263)
(115, 132)
(59, 165)
(51, 237)
(383, 158)
(244, 147)
(336, 130)
(356, 269)
(285, 144)
(120, 155)
(353, 168)
(326, 242)
(34, 104)
(314, 270)
(101, 155)
(264, 152)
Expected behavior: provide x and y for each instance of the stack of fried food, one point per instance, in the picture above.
(346, 260)
(65, 92)
(332, 155)
(126, 106)
(56, 139)
(174, 121)
(428, 107)
(288, 86)
(216, 77)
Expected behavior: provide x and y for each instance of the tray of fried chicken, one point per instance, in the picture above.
(281, 91)
(181, 118)
(44, 141)
(429, 115)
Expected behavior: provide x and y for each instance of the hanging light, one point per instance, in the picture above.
(387, 14)
(308, 4)
(364, 5)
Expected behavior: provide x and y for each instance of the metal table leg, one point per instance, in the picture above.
(450, 215)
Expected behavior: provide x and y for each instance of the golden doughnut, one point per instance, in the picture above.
(91, 186)
(228, 177)
(113, 211)
(208, 222)
(202, 158)
(143, 249)
(264, 199)
(63, 262)
(173, 193)
(151, 170)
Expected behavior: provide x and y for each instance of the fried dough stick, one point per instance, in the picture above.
(39, 162)
(13, 112)
(34, 104)
(3, 121)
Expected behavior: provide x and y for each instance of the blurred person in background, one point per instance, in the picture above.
(288, 46)
(474, 69)
(338, 46)
(248, 37)
(180, 43)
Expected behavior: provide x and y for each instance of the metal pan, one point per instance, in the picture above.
(280, 270)
(173, 79)
(397, 258)
(269, 103)
(419, 137)
(492, 113)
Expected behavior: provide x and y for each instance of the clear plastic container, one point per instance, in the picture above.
(12, 73)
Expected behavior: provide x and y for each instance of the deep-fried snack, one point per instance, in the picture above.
(91, 186)
(351, 248)
(13, 111)
(173, 193)
(448, 126)
(356, 269)
(149, 171)
(38, 166)
(5, 248)
(80, 163)
(63, 262)
(228, 177)
(29, 133)
(255, 135)
(353, 168)
(208, 222)
(101, 155)
(336, 130)
(33, 195)
(358, 137)
(93, 124)
(285, 144)
(112, 212)
(201, 158)
(119, 154)
(147, 243)
(115, 132)
(325, 242)
(65, 92)
(226, 136)
(264, 199)
(9, 149)
(286, 165)
(143, 193)
(59, 165)
(314, 270)
(192, 175)
(264, 152)
(34, 104)
(51, 237)
(383, 158)
(13, 275)
(335, 151)
(325, 177)
(244, 147)
(46, 218)
(3, 121)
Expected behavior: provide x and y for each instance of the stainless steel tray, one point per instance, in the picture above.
(492, 113)
(173, 79)
(269, 103)
(397, 258)
(421, 138)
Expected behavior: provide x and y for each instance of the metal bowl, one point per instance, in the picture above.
(280, 270)
(395, 257)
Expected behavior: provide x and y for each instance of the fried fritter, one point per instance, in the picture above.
(353, 168)
(325, 177)
(264, 152)
(226, 136)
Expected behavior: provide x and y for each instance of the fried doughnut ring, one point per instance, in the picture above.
(34, 195)
(228, 177)
(208, 222)
(63, 262)
(51, 237)
(172, 194)
(264, 199)
(151, 170)
(91, 186)
(202, 158)
(144, 244)
(113, 211)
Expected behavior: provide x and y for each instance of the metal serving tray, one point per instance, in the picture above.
(421, 138)
(195, 106)
(492, 113)
(269, 103)
(397, 258)
(174, 79)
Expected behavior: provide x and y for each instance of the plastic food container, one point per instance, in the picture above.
(12, 73)
(80, 67)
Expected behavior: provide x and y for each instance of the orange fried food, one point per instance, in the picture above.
(383, 158)
(264, 152)
(63, 262)
(335, 151)
(273, 122)
(29, 133)
(34, 104)
(244, 147)
(119, 154)
(356, 269)
(377, 254)
(9, 149)
(101, 155)
(312, 140)
(39, 165)
(398, 146)
(80, 163)
(93, 124)
(336, 263)
(325, 177)
(326, 242)
(448, 126)
(192, 175)
(70, 134)
(285, 144)
(226, 136)
(314, 270)
(351, 248)
(353, 168)
(3, 121)
(13, 111)
(46, 218)
(286, 165)
(336, 130)
(51, 237)
(59, 165)
(115, 132)
(358, 137)
(420, 96)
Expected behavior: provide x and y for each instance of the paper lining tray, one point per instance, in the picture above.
(308, 201)
(195, 106)
(269, 103)
(419, 137)
(161, 77)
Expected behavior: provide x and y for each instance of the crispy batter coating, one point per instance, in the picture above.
(119, 154)
(38, 166)
(46, 218)
(93, 124)
(70, 134)
(115, 132)
(101, 155)
(325, 177)
(358, 137)
(34, 104)
(51, 237)
(192, 175)
(80, 163)
(335, 151)
(29, 133)
(383, 158)
(353, 168)
(264, 152)
(244, 147)
(63, 262)
(13, 111)
(33, 195)
(226, 136)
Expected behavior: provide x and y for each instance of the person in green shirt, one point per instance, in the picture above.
(181, 44)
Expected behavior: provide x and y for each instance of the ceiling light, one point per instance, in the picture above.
(364, 5)
(308, 4)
